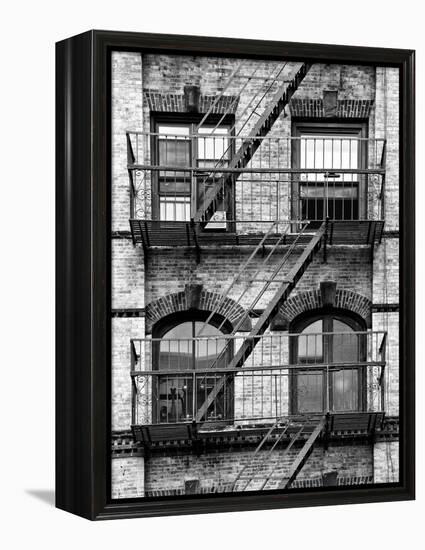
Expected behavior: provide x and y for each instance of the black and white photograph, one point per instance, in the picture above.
(254, 275)
(211, 279)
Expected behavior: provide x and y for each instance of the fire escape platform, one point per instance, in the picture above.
(344, 424)
(171, 234)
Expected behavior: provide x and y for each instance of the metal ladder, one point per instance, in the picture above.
(215, 194)
(264, 321)
(280, 239)
(259, 474)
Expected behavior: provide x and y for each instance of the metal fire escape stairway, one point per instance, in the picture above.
(265, 319)
(262, 472)
(215, 194)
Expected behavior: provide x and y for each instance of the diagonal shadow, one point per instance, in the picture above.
(45, 495)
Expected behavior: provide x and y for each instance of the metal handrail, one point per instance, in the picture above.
(255, 393)
(257, 370)
(274, 335)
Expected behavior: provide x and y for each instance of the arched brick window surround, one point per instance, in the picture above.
(195, 297)
(345, 108)
(313, 300)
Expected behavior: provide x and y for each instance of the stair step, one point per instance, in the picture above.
(250, 146)
(271, 472)
(263, 322)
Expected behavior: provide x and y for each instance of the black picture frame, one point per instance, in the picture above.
(83, 274)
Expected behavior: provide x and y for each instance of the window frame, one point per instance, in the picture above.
(191, 120)
(316, 126)
(163, 326)
(327, 315)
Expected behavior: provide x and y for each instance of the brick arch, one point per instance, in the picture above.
(166, 102)
(313, 299)
(195, 297)
(345, 108)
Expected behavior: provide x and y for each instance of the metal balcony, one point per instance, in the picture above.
(288, 179)
(286, 375)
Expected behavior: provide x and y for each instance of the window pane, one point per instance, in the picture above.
(310, 348)
(345, 390)
(309, 384)
(174, 402)
(215, 146)
(175, 209)
(345, 382)
(174, 152)
(172, 183)
(175, 353)
(176, 348)
(209, 346)
(329, 152)
(309, 391)
(345, 346)
(173, 130)
(336, 201)
(312, 190)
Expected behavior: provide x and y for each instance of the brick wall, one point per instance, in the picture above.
(122, 330)
(386, 254)
(386, 462)
(132, 476)
(127, 114)
(386, 121)
(169, 270)
(350, 81)
(127, 267)
(128, 477)
(127, 275)
(171, 472)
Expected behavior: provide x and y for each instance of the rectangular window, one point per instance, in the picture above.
(328, 192)
(174, 185)
(180, 189)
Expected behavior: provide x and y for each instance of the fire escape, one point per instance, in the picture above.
(239, 387)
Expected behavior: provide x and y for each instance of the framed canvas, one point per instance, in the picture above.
(235, 274)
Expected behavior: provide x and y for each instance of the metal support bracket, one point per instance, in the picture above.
(195, 239)
(325, 241)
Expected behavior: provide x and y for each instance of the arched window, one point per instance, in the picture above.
(334, 339)
(185, 350)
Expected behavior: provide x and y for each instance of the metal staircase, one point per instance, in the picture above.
(264, 321)
(267, 469)
(215, 194)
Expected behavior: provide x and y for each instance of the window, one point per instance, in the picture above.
(333, 194)
(174, 186)
(178, 193)
(179, 394)
(331, 339)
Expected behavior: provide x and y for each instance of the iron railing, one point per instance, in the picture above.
(285, 374)
(300, 178)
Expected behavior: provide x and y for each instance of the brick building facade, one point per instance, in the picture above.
(253, 198)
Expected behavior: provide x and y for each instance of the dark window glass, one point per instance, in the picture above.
(331, 341)
(181, 394)
(330, 193)
(309, 383)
